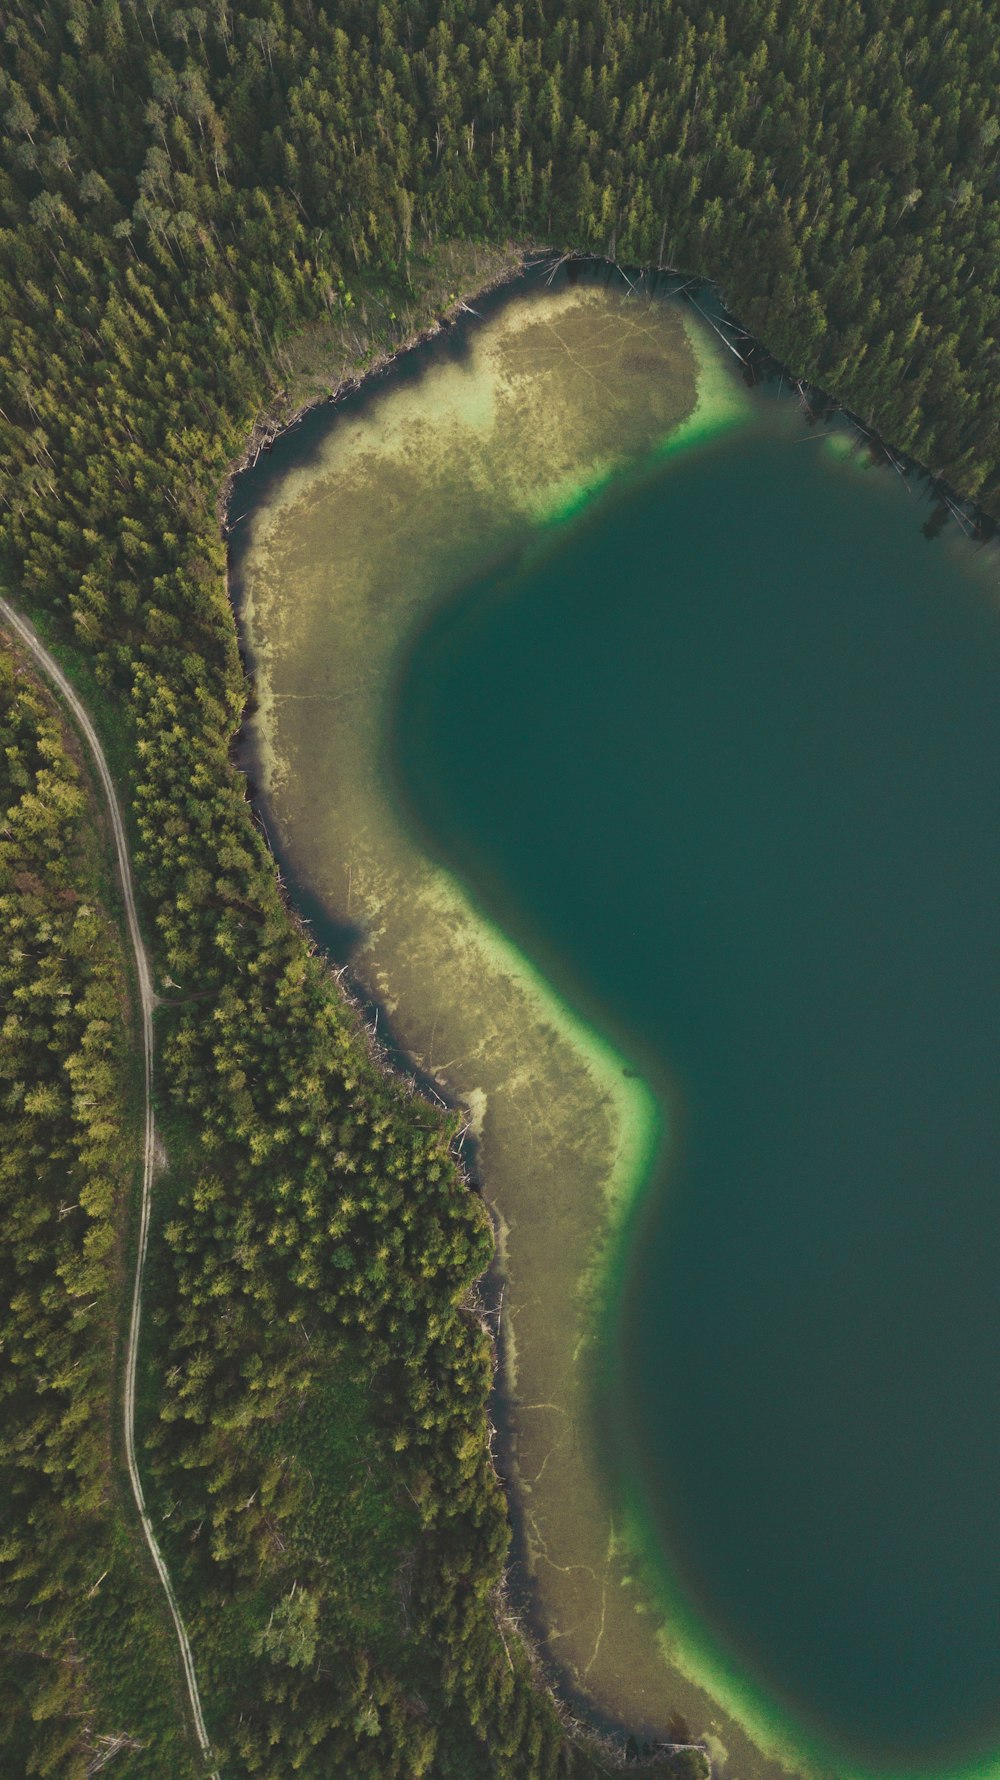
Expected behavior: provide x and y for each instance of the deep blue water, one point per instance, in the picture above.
(724, 758)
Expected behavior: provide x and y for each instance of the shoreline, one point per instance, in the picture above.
(761, 366)
(608, 1116)
(696, 427)
(273, 424)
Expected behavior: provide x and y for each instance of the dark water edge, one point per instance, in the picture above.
(294, 445)
(340, 940)
(296, 448)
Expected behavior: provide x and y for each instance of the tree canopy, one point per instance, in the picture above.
(183, 191)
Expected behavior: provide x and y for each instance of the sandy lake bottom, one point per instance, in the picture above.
(648, 748)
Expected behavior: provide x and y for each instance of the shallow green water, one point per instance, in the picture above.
(364, 520)
(724, 759)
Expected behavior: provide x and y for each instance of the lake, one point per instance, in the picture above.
(642, 751)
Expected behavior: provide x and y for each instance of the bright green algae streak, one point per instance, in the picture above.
(357, 528)
(725, 760)
(545, 777)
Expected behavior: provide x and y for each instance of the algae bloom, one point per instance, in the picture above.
(466, 458)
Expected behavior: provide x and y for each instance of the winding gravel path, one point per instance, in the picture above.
(147, 1002)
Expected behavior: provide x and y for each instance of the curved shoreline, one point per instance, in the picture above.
(551, 1101)
(691, 1652)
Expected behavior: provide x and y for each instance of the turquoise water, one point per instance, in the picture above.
(723, 758)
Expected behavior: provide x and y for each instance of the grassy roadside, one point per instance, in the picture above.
(113, 1633)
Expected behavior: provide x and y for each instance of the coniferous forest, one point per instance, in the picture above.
(199, 206)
